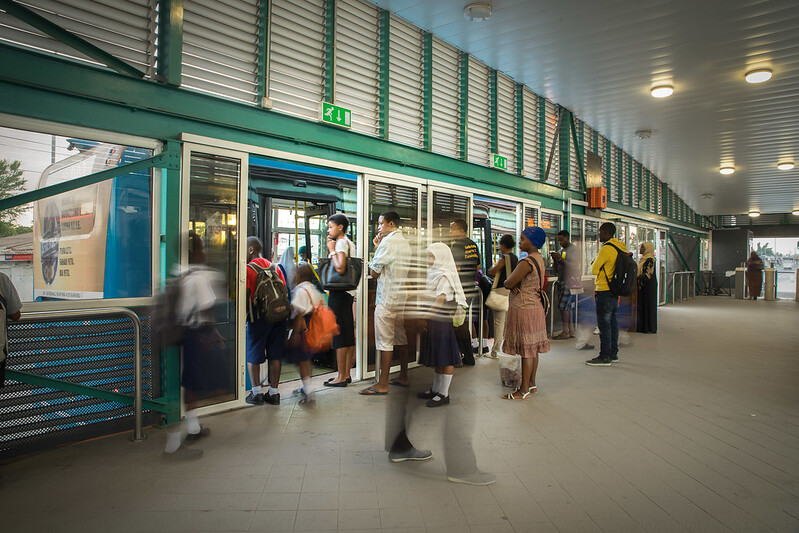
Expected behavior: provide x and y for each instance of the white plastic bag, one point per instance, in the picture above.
(510, 370)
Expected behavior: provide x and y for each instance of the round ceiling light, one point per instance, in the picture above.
(477, 12)
(662, 91)
(759, 75)
(795, 212)
(754, 214)
(727, 170)
(785, 165)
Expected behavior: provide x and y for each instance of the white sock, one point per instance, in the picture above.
(443, 387)
(474, 343)
(306, 388)
(272, 390)
(192, 422)
(173, 439)
(436, 383)
(256, 390)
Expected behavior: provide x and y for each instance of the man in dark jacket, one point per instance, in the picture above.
(467, 260)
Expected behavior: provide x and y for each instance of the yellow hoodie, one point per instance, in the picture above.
(606, 258)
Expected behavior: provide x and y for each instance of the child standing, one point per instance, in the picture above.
(303, 299)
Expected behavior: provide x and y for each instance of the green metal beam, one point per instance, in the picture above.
(684, 262)
(620, 174)
(578, 146)
(464, 105)
(263, 49)
(630, 179)
(70, 39)
(640, 181)
(82, 390)
(520, 129)
(163, 160)
(170, 41)
(564, 148)
(383, 86)
(330, 51)
(427, 90)
(494, 112)
(608, 167)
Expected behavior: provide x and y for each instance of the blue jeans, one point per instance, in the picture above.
(607, 304)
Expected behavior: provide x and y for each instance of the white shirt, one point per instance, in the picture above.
(197, 294)
(391, 261)
(348, 247)
(304, 298)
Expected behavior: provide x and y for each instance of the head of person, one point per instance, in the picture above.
(337, 225)
(506, 244)
(607, 231)
(438, 254)
(304, 253)
(647, 248)
(458, 228)
(563, 238)
(388, 222)
(196, 249)
(304, 273)
(254, 248)
(754, 255)
(532, 240)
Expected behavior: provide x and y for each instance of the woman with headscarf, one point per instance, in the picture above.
(754, 275)
(439, 347)
(526, 324)
(289, 268)
(647, 290)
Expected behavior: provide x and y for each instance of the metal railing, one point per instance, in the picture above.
(685, 292)
(138, 434)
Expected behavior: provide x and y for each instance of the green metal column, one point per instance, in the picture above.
(543, 149)
(427, 90)
(263, 50)
(564, 147)
(630, 179)
(595, 142)
(608, 167)
(492, 103)
(385, 28)
(620, 176)
(330, 51)
(170, 38)
(578, 140)
(464, 111)
(639, 171)
(519, 129)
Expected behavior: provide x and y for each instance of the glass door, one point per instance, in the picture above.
(213, 210)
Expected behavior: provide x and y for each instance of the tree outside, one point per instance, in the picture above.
(11, 183)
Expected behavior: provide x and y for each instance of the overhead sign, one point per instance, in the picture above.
(499, 162)
(335, 115)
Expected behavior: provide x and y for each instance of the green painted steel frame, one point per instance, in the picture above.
(640, 172)
(630, 180)
(493, 111)
(608, 166)
(684, 262)
(385, 45)
(330, 51)
(170, 39)
(464, 106)
(578, 147)
(520, 129)
(55, 31)
(264, 7)
(427, 90)
(620, 174)
(564, 147)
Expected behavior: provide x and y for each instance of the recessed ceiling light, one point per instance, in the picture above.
(759, 75)
(662, 91)
(477, 12)
(754, 214)
(795, 212)
(727, 170)
(707, 196)
(785, 165)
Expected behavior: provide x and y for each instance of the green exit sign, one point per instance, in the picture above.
(499, 162)
(335, 115)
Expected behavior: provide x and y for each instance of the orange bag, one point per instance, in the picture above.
(322, 327)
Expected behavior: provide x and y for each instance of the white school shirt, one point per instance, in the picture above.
(304, 298)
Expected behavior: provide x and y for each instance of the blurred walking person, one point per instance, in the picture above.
(303, 300)
(754, 275)
(467, 260)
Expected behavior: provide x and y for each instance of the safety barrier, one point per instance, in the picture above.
(686, 291)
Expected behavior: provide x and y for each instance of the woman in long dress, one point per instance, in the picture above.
(526, 325)
(647, 290)
(754, 275)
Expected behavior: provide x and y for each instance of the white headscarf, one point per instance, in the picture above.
(444, 267)
(289, 267)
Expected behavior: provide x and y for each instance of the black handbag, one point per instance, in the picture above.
(333, 281)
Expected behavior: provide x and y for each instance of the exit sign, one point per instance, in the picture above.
(335, 115)
(499, 162)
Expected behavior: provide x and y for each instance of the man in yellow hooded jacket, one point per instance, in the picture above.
(607, 303)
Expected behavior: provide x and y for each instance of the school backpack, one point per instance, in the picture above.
(166, 328)
(625, 277)
(270, 299)
(322, 327)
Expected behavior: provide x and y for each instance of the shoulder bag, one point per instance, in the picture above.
(545, 303)
(498, 298)
(333, 281)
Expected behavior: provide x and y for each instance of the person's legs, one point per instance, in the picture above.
(604, 306)
(397, 444)
(614, 329)
(257, 336)
(499, 332)
(305, 368)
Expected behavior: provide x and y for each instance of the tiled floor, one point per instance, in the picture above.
(696, 429)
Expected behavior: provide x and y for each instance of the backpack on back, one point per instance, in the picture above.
(270, 299)
(625, 277)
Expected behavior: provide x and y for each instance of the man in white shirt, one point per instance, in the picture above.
(390, 267)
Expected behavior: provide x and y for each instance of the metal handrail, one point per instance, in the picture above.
(138, 434)
(682, 275)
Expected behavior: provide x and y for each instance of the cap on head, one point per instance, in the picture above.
(536, 236)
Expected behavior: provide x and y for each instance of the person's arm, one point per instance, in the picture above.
(438, 303)
(518, 274)
(380, 260)
(13, 302)
(498, 267)
(601, 258)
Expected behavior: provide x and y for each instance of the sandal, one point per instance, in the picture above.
(533, 389)
(371, 391)
(512, 395)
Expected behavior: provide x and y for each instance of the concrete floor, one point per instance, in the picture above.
(696, 429)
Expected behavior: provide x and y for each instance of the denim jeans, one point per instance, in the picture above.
(607, 304)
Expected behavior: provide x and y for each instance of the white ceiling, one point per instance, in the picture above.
(599, 58)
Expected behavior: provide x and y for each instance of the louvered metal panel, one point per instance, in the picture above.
(479, 120)
(636, 180)
(659, 192)
(124, 28)
(405, 85)
(446, 99)
(531, 144)
(297, 56)
(601, 152)
(550, 220)
(625, 178)
(220, 48)
(613, 193)
(530, 217)
(358, 63)
(506, 120)
(398, 196)
(450, 205)
(551, 128)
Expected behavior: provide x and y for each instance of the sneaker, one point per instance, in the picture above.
(475, 478)
(194, 437)
(411, 455)
(258, 399)
(437, 401)
(614, 359)
(273, 399)
(598, 361)
(587, 347)
(183, 454)
(426, 395)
